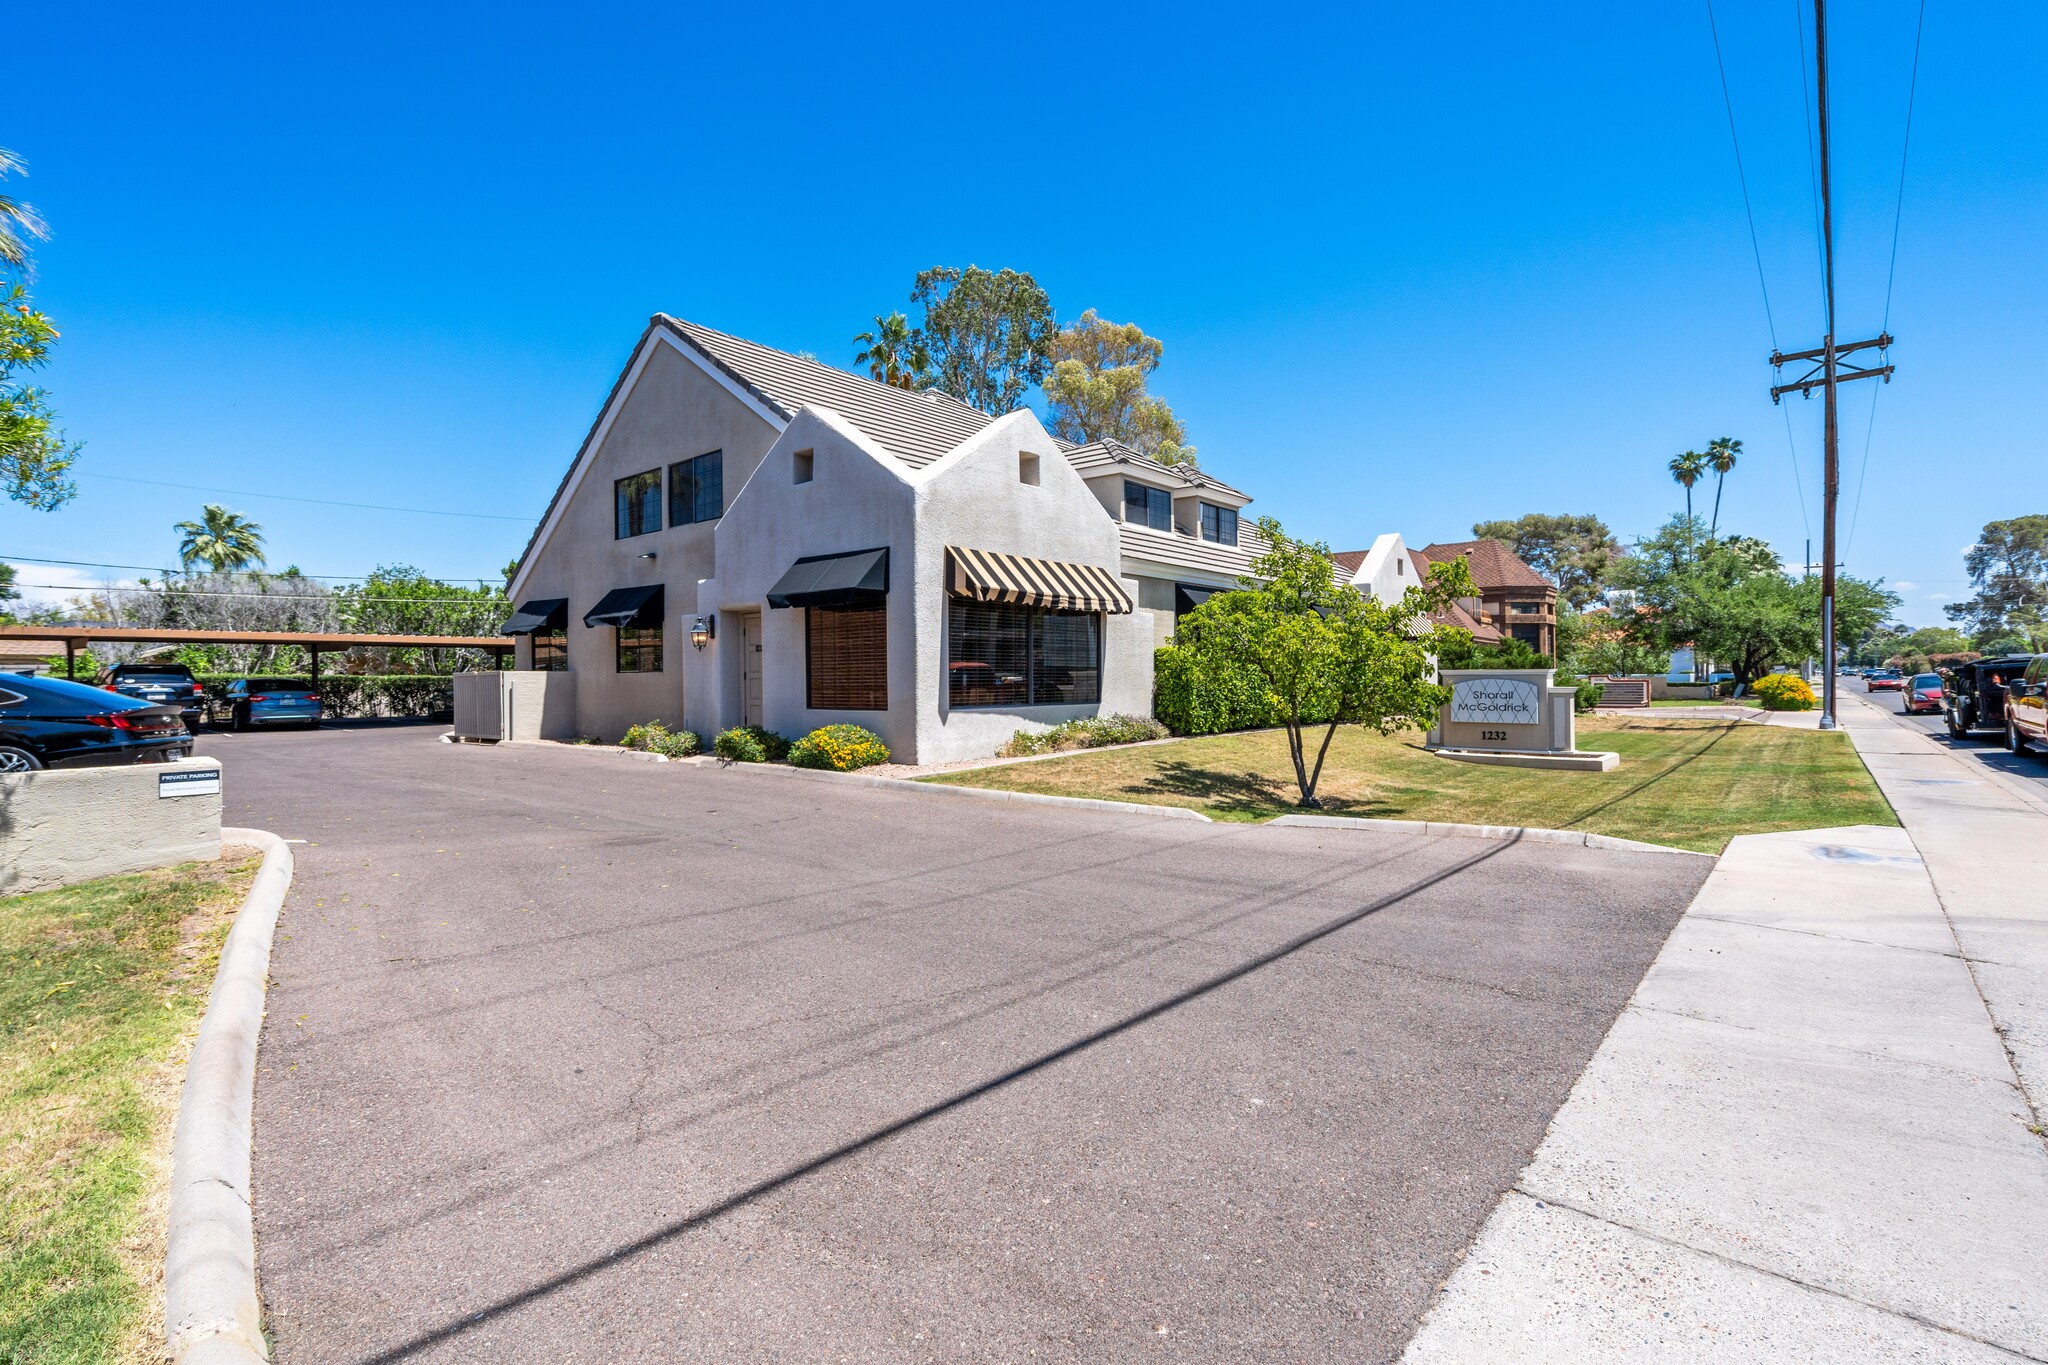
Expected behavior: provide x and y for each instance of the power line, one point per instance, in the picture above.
(1892, 272)
(321, 502)
(1741, 176)
(1757, 251)
(158, 568)
(273, 596)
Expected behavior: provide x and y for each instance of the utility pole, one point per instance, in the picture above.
(1826, 376)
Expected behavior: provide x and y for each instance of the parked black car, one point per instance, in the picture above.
(51, 723)
(1976, 693)
(160, 685)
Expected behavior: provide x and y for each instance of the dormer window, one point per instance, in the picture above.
(1219, 524)
(1147, 506)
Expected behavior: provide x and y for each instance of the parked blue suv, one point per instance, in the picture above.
(249, 702)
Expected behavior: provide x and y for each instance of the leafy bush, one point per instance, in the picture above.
(738, 746)
(656, 738)
(750, 744)
(1784, 692)
(1089, 732)
(1194, 699)
(839, 748)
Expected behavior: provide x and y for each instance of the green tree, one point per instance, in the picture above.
(2008, 566)
(1327, 654)
(1722, 453)
(398, 599)
(1731, 600)
(1688, 469)
(1097, 390)
(1571, 551)
(8, 592)
(987, 333)
(222, 540)
(34, 456)
(893, 354)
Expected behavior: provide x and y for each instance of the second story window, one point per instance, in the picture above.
(1145, 506)
(638, 503)
(1526, 608)
(1219, 524)
(696, 489)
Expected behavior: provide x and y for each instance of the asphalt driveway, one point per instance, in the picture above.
(570, 1057)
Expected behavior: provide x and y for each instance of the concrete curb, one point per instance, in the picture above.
(982, 793)
(1509, 832)
(212, 1315)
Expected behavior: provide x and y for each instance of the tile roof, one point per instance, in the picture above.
(917, 428)
(1494, 565)
(1350, 561)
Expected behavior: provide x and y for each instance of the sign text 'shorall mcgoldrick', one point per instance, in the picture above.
(1497, 701)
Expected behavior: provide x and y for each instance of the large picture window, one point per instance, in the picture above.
(638, 503)
(1146, 506)
(696, 489)
(1219, 524)
(639, 649)
(847, 658)
(1002, 655)
(550, 651)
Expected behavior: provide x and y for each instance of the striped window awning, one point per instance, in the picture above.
(985, 576)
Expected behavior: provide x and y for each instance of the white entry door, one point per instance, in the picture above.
(750, 668)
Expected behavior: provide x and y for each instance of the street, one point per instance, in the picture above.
(570, 1057)
(1987, 748)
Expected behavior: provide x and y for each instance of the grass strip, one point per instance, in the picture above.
(1685, 782)
(101, 990)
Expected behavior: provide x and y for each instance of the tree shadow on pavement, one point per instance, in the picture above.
(662, 1235)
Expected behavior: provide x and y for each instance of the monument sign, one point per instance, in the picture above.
(1512, 716)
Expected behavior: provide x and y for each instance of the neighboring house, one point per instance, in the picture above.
(1390, 568)
(750, 537)
(1514, 600)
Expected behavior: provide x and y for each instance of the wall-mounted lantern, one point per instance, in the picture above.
(703, 630)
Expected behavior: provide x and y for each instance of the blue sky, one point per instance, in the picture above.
(1413, 266)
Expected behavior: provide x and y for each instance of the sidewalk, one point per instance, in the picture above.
(1804, 1140)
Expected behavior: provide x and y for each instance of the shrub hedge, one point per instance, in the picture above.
(839, 748)
(365, 694)
(656, 738)
(750, 744)
(1191, 698)
(1089, 732)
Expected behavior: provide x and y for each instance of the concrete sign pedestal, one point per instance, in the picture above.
(1512, 717)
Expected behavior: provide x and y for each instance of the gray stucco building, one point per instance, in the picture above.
(751, 537)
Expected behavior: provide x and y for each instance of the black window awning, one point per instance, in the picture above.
(627, 607)
(1188, 596)
(859, 579)
(541, 613)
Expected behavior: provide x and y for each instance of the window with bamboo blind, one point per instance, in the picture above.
(847, 656)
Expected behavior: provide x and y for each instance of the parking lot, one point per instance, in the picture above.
(572, 1057)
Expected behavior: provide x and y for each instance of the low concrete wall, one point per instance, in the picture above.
(61, 826)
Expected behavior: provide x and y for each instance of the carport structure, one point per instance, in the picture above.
(314, 643)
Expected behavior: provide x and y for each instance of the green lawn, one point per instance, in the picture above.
(1687, 782)
(101, 986)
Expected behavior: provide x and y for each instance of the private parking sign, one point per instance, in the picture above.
(189, 782)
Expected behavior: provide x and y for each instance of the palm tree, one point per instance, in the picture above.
(893, 354)
(17, 220)
(1721, 453)
(1688, 469)
(223, 540)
